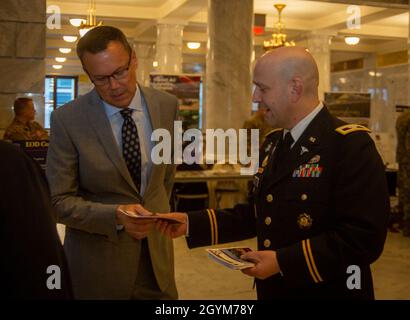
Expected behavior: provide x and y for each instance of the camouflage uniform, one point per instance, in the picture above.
(18, 130)
(403, 158)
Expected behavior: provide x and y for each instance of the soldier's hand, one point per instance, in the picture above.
(173, 230)
(136, 228)
(266, 264)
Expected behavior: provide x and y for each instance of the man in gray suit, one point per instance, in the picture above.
(99, 164)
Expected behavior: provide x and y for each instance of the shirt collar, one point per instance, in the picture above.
(135, 104)
(301, 126)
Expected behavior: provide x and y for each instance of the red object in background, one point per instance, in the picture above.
(258, 30)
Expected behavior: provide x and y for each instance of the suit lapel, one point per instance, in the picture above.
(153, 108)
(101, 125)
(310, 143)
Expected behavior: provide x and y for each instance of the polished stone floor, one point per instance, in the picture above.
(198, 277)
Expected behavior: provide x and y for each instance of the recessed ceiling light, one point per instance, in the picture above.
(193, 45)
(76, 22)
(57, 66)
(70, 38)
(351, 41)
(60, 59)
(64, 50)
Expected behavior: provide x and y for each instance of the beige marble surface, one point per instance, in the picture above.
(200, 278)
(228, 72)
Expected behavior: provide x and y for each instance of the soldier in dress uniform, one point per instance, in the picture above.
(403, 159)
(23, 126)
(320, 204)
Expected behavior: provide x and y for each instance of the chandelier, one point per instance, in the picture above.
(278, 38)
(91, 21)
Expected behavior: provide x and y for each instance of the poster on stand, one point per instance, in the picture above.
(187, 88)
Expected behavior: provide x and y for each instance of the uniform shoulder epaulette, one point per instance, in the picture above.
(273, 131)
(349, 128)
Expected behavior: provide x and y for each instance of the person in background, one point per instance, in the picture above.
(403, 159)
(33, 262)
(320, 204)
(99, 166)
(23, 126)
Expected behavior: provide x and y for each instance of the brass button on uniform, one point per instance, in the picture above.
(268, 220)
(304, 196)
(269, 198)
(266, 243)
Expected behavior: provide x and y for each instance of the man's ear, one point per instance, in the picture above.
(134, 58)
(296, 89)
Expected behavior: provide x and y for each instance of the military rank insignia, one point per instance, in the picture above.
(265, 161)
(304, 221)
(309, 170)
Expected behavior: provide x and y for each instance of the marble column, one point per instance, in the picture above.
(145, 58)
(22, 53)
(318, 44)
(228, 91)
(169, 48)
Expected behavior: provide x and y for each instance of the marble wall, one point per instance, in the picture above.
(22, 53)
(228, 85)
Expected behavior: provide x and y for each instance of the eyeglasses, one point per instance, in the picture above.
(117, 75)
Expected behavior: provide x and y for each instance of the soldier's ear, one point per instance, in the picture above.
(296, 89)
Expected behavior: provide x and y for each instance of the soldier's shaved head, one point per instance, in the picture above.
(287, 80)
(291, 62)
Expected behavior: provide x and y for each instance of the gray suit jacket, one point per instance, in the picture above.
(88, 179)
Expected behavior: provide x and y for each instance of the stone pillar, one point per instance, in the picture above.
(22, 53)
(169, 48)
(228, 88)
(145, 58)
(318, 44)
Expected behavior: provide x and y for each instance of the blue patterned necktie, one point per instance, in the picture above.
(131, 149)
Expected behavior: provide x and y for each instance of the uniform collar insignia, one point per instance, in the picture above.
(303, 150)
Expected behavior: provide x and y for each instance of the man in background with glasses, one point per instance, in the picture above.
(99, 167)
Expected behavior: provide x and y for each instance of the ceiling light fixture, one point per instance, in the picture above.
(76, 22)
(91, 21)
(70, 38)
(64, 50)
(61, 59)
(57, 66)
(352, 41)
(193, 45)
(278, 37)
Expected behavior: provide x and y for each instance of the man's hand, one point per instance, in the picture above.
(265, 261)
(173, 230)
(136, 228)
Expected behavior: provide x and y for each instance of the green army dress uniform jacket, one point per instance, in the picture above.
(324, 208)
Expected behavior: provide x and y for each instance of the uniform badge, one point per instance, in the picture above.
(303, 150)
(304, 221)
(315, 159)
(312, 139)
(265, 161)
(309, 170)
(267, 148)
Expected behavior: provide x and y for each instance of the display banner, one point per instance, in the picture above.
(187, 88)
(36, 149)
